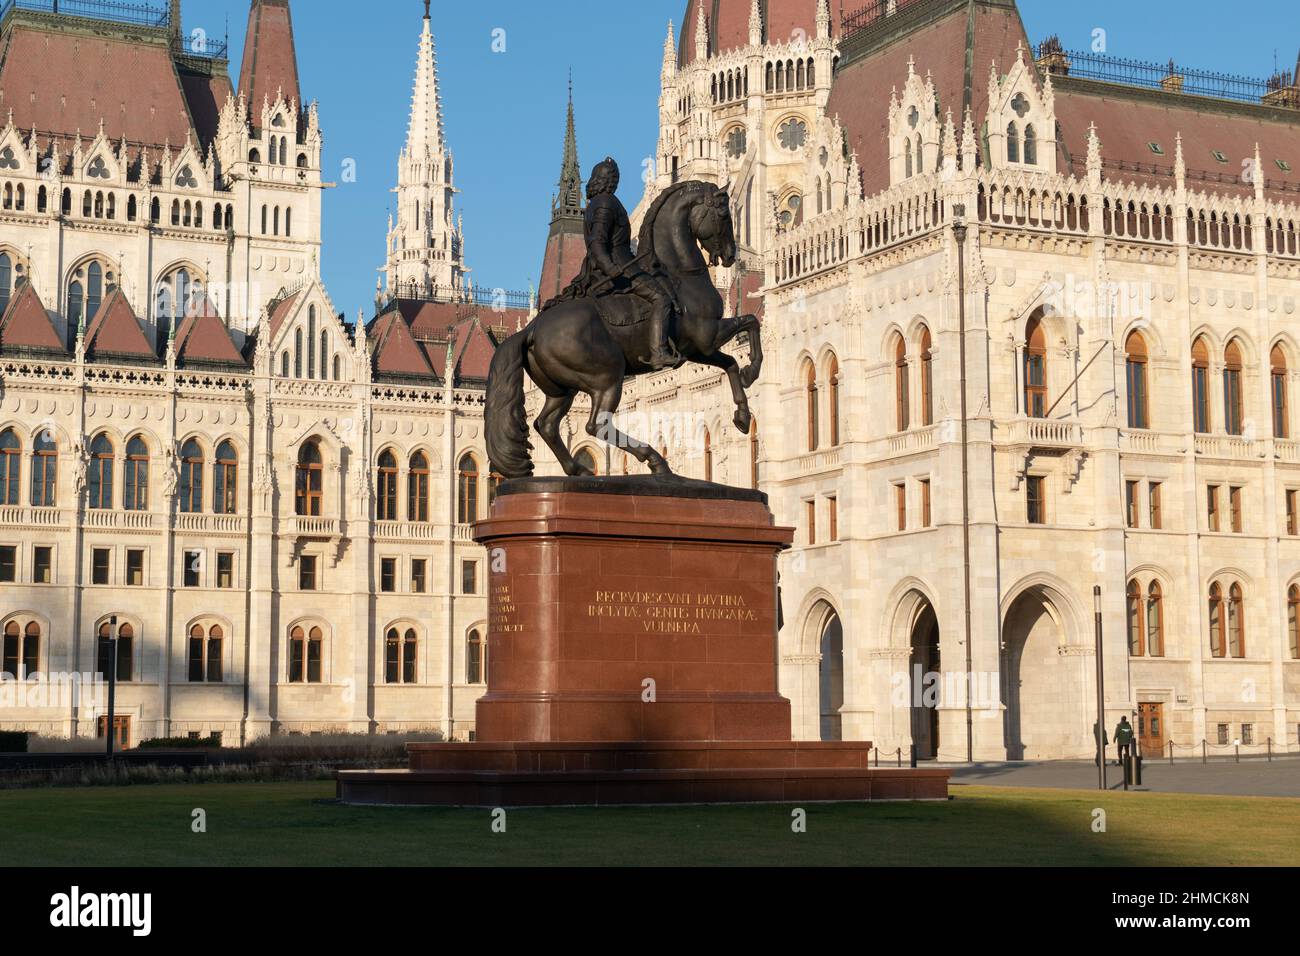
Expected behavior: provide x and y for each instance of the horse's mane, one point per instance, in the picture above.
(645, 241)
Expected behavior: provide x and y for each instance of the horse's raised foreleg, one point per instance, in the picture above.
(601, 425)
(728, 329)
(548, 426)
(729, 365)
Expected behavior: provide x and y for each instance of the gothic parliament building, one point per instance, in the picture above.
(1027, 316)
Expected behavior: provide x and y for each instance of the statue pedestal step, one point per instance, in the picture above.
(632, 658)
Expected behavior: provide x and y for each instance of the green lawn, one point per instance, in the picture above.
(298, 824)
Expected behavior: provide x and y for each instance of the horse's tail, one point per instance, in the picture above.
(505, 424)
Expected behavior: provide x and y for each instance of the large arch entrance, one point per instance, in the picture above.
(926, 683)
(830, 696)
(1044, 686)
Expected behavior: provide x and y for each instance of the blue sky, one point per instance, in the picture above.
(504, 111)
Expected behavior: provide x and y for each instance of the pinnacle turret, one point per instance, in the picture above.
(569, 200)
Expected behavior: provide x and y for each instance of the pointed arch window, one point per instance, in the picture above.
(100, 480)
(284, 364)
(400, 654)
(22, 650)
(6, 280)
(1277, 393)
(135, 477)
(206, 642)
(1135, 371)
(45, 470)
(225, 480)
(927, 378)
(1031, 146)
(475, 658)
(1013, 143)
(1136, 644)
(417, 488)
(191, 486)
(311, 341)
(386, 500)
(907, 159)
(1232, 402)
(1035, 369)
(1216, 620)
(810, 397)
(297, 353)
(902, 386)
(11, 457)
(1155, 620)
(123, 659)
(306, 651)
(1293, 621)
(1236, 622)
(1200, 387)
(467, 490)
(833, 400)
(309, 481)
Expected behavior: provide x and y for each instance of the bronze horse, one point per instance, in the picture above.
(569, 348)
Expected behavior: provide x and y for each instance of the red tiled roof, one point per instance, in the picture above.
(467, 326)
(116, 330)
(63, 82)
(203, 337)
(26, 324)
(395, 350)
(728, 23)
(860, 95)
(270, 63)
(565, 250)
(283, 309)
(1129, 119)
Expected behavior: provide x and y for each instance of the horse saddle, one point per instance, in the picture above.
(621, 309)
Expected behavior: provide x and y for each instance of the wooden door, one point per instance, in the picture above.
(1151, 730)
(121, 731)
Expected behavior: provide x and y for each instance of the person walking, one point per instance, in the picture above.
(1123, 739)
(1101, 740)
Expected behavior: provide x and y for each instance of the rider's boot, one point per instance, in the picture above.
(662, 353)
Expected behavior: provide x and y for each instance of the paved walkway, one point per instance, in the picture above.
(1259, 778)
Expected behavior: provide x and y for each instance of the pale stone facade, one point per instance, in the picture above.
(878, 563)
(228, 631)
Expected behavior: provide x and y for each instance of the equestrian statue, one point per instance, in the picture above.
(628, 313)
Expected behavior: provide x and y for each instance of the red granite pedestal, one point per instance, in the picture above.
(632, 658)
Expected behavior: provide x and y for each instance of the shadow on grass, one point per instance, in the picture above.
(296, 824)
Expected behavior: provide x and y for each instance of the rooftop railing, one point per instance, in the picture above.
(151, 15)
(1170, 77)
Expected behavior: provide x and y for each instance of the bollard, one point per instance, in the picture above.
(1270, 749)
(1203, 758)
(1171, 753)
(1137, 770)
(1237, 750)
(913, 753)
(900, 757)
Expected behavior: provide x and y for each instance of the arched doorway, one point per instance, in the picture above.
(926, 683)
(1044, 686)
(830, 646)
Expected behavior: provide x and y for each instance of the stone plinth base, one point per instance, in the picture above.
(586, 774)
(632, 659)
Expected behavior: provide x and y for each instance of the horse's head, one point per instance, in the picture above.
(711, 224)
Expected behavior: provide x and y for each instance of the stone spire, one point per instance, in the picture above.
(424, 134)
(569, 201)
(564, 244)
(670, 55)
(823, 19)
(701, 33)
(755, 24)
(425, 243)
